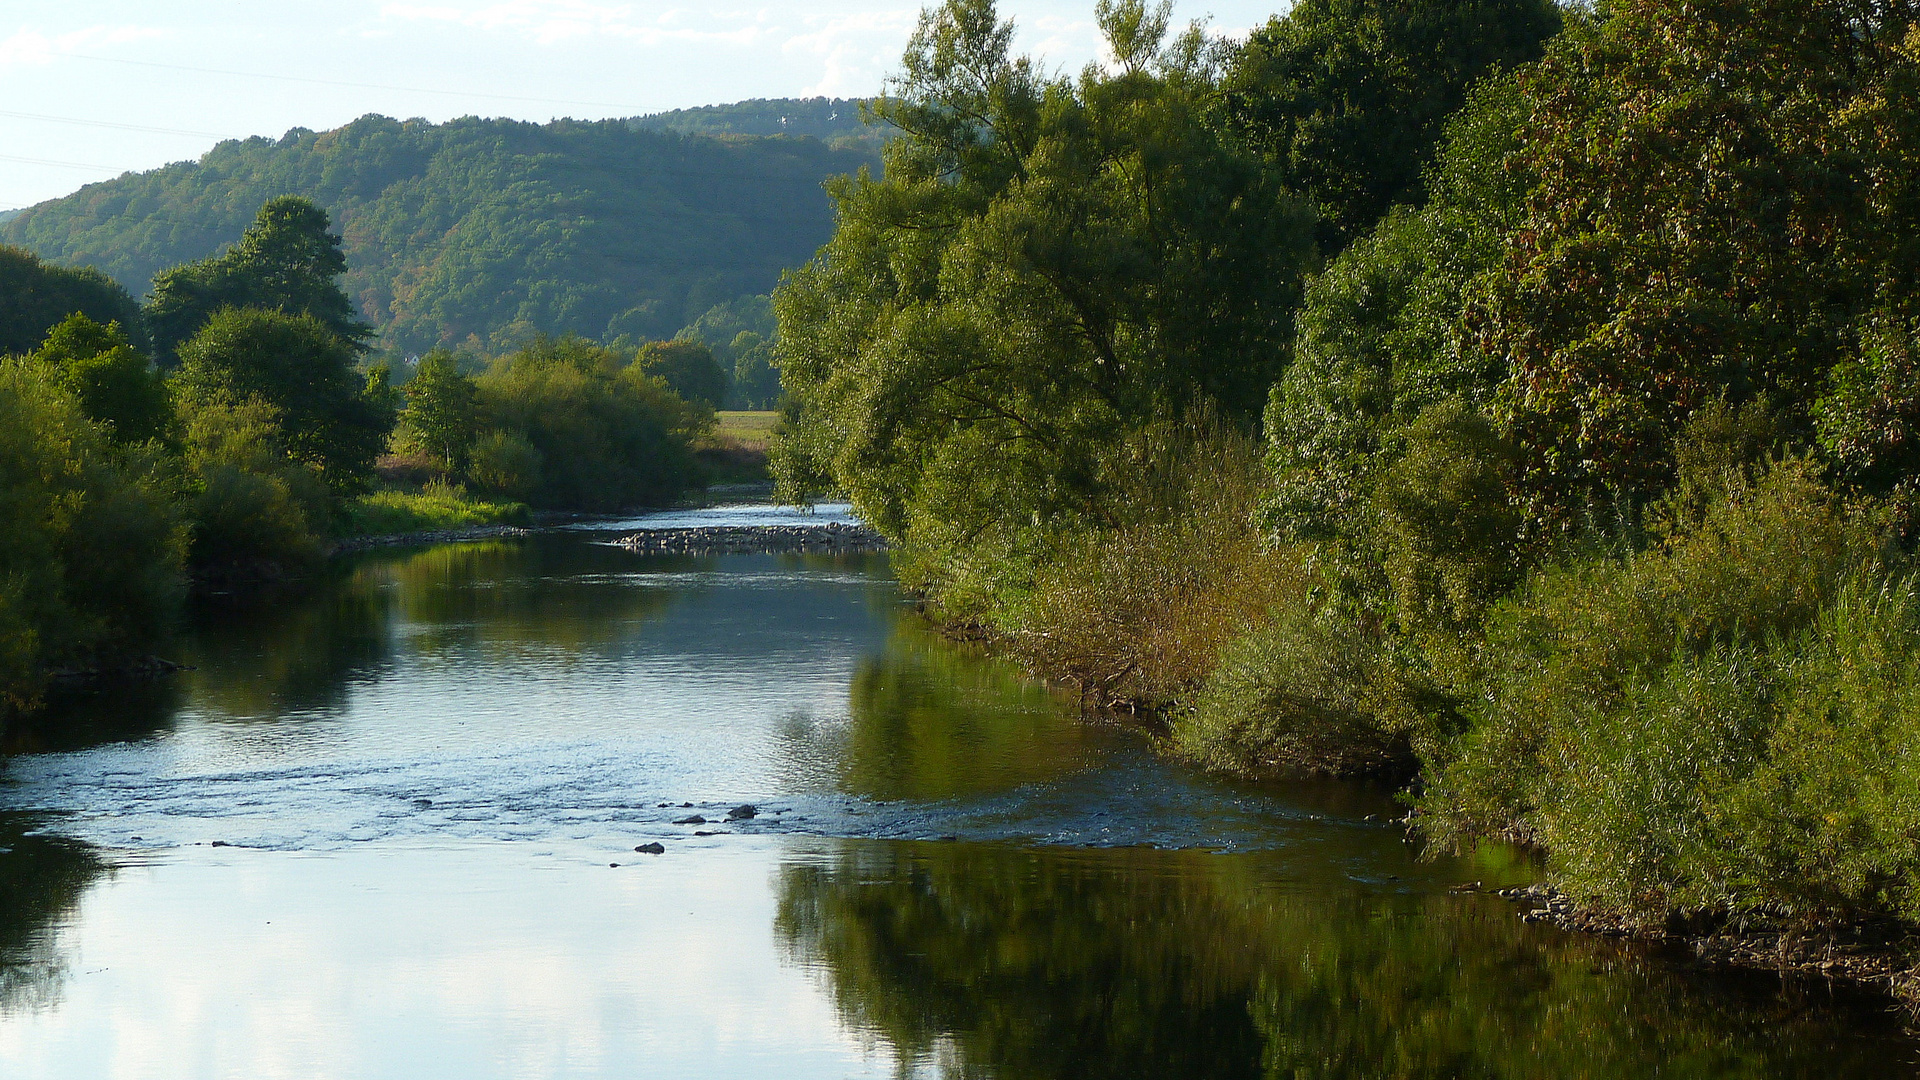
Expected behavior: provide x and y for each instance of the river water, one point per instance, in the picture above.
(388, 829)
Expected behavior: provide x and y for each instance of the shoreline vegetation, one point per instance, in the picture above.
(1514, 402)
(233, 432)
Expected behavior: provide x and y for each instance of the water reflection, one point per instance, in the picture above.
(1016, 963)
(421, 771)
(929, 721)
(41, 881)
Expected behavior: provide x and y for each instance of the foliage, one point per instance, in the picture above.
(90, 550)
(438, 507)
(1348, 97)
(1647, 716)
(299, 367)
(1047, 267)
(756, 382)
(286, 261)
(115, 384)
(834, 121)
(36, 296)
(688, 367)
(1381, 335)
(740, 333)
(1139, 614)
(254, 502)
(442, 416)
(507, 463)
(609, 435)
(456, 232)
(1722, 204)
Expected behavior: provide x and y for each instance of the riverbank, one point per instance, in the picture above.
(1874, 954)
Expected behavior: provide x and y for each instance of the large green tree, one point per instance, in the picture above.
(299, 367)
(1047, 266)
(689, 367)
(287, 261)
(1723, 204)
(1348, 97)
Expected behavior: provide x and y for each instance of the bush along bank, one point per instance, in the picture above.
(255, 447)
(1569, 478)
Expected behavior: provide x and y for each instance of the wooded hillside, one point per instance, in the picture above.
(484, 229)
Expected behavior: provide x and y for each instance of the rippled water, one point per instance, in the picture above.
(374, 834)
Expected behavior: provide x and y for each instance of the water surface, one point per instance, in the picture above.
(387, 830)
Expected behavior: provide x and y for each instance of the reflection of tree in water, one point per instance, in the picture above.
(930, 721)
(41, 881)
(303, 654)
(298, 654)
(1012, 963)
(117, 710)
(554, 595)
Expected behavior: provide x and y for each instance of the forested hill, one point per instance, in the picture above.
(484, 228)
(834, 121)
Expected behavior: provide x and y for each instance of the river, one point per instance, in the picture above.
(387, 829)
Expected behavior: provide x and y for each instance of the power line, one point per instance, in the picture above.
(349, 85)
(112, 124)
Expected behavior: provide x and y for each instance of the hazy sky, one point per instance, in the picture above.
(91, 88)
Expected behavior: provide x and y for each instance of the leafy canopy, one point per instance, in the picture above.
(113, 381)
(287, 262)
(299, 367)
(1347, 98)
(1046, 265)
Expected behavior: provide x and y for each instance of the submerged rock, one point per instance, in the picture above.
(655, 848)
(695, 819)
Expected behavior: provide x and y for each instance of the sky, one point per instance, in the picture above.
(93, 88)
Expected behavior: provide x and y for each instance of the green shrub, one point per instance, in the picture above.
(609, 436)
(90, 551)
(254, 500)
(1300, 692)
(506, 463)
(1138, 612)
(1629, 702)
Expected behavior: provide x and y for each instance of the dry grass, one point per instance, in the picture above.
(747, 430)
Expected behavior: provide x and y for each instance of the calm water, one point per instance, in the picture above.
(373, 835)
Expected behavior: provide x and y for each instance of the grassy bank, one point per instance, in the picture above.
(437, 507)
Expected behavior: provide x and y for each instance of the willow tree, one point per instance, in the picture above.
(1048, 266)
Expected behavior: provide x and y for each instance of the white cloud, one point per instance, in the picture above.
(32, 47)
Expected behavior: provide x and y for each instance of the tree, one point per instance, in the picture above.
(756, 382)
(440, 417)
(35, 296)
(297, 365)
(1724, 205)
(113, 382)
(688, 367)
(603, 434)
(286, 262)
(1348, 97)
(1046, 267)
(90, 553)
